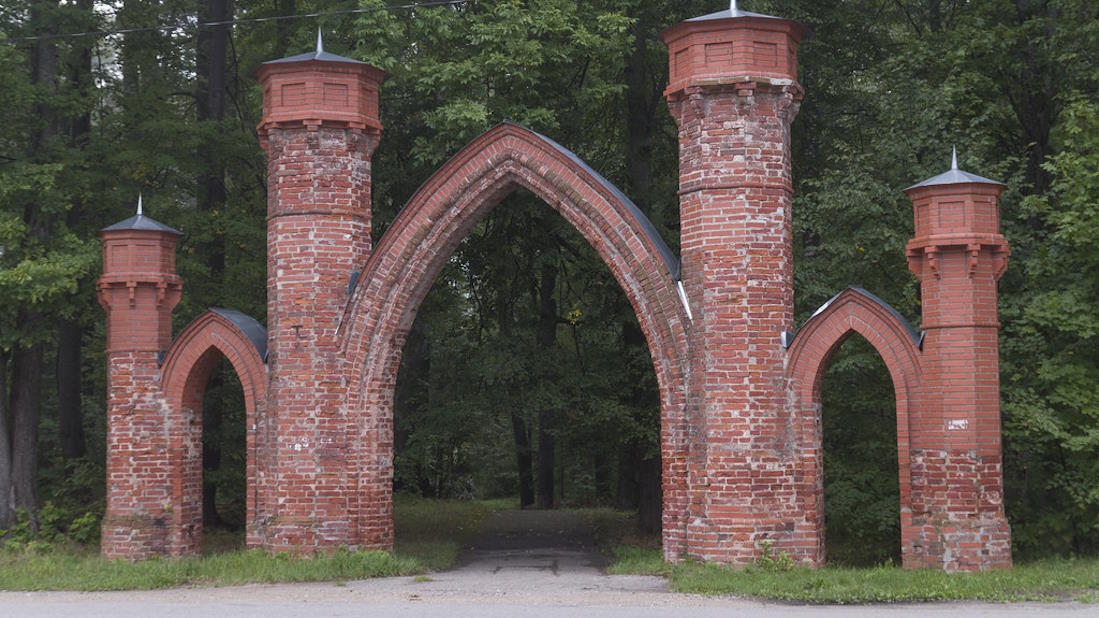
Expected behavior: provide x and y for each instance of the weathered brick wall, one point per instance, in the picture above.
(318, 233)
(957, 467)
(138, 290)
(737, 251)
(319, 130)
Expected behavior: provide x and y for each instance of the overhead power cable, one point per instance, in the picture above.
(235, 22)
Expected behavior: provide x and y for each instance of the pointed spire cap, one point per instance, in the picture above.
(142, 223)
(733, 12)
(318, 55)
(955, 176)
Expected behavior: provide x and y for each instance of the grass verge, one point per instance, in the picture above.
(430, 533)
(630, 553)
(83, 569)
(1047, 580)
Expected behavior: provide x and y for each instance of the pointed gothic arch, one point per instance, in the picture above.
(408, 258)
(853, 311)
(186, 369)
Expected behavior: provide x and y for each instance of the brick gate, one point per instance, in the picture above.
(739, 383)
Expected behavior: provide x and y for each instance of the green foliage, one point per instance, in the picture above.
(861, 488)
(768, 562)
(1051, 366)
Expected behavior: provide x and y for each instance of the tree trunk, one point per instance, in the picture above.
(628, 464)
(524, 458)
(212, 417)
(70, 332)
(25, 404)
(6, 499)
(284, 27)
(639, 121)
(70, 410)
(547, 416)
(26, 376)
(410, 397)
(212, 70)
(651, 503)
(602, 467)
(524, 455)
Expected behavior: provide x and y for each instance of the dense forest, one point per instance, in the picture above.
(526, 374)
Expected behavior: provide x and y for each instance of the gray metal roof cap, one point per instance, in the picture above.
(955, 176)
(728, 14)
(142, 223)
(252, 329)
(318, 55)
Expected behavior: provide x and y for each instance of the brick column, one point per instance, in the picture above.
(957, 472)
(320, 127)
(138, 290)
(734, 93)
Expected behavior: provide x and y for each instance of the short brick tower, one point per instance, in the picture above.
(138, 290)
(734, 93)
(320, 127)
(957, 468)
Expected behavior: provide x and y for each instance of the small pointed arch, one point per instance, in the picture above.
(186, 369)
(409, 257)
(852, 311)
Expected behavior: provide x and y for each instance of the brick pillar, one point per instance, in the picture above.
(957, 471)
(138, 290)
(734, 93)
(320, 127)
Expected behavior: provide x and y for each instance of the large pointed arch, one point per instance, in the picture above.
(852, 311)
(184, 374)
(408, 258)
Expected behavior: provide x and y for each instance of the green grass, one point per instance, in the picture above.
(1049, 580)
(629, 553)
(430, 534)
(75, 569)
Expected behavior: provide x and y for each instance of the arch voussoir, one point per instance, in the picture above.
(185, 371)
(853, 311)
(409, 257)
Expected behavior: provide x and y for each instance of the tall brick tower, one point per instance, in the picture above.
(320, 127)
(734, 93)
(957, 472)
(138, 290)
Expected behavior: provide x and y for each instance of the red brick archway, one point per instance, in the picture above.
(406, 262)
(852, 311)
(186, 370)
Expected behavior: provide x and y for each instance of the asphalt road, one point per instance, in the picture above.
(530, 565)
